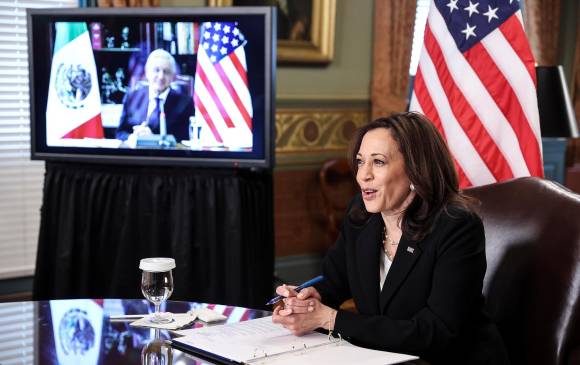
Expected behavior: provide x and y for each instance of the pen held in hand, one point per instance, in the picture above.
(307, 284)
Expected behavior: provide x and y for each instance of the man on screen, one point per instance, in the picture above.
(156, 108)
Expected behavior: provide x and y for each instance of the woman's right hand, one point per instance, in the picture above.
(288, 292)
(301, 322)
(297, 302)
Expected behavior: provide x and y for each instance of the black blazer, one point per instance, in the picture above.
(431, 304)
(178, 108)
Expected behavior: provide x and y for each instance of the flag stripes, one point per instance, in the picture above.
(486, 111)
(238, 77)
(465, 114)
(221, 92)
(460, 146)
(513, 32)
(200, 109)
(483, 99)
(240, 67)
(217, 101)
(506, 97)
(507, 54)
(428, 105)
(234, 94)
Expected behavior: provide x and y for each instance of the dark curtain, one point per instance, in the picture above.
(98, 221)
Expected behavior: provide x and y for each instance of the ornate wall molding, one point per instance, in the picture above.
(307, 136)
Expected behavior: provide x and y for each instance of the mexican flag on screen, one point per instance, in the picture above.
(74, 104)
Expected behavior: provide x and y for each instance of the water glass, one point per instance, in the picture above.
(157, 352)
(194, 132)
(157, 283)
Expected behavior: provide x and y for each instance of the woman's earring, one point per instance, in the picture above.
(412, 187)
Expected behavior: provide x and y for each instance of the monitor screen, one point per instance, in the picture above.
(170, 86)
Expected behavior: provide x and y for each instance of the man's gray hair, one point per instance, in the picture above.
(161, 53)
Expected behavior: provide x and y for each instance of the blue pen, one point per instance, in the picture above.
(298, 288)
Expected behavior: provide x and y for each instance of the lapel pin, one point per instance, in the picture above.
(410, 249)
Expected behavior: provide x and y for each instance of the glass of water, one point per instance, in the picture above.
(157, 283)
(157, 352)
(194, 133)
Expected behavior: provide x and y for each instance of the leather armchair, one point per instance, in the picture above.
(337, 186)
(532, 283)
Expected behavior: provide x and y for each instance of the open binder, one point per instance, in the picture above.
(260, 341)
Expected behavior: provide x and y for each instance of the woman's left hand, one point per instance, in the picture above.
(304, 316)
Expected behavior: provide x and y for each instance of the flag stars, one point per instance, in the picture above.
(452, 5)
(472, 8)
(468, 31)
(220, 39)
(490, 14)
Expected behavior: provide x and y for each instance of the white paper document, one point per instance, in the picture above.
(179, 320)
(260, 341)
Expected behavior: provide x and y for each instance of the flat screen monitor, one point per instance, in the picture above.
(177, 86)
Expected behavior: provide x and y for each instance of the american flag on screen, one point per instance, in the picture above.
(222, 97)
(476, 81)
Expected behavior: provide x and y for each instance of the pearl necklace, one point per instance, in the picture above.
(388, 241)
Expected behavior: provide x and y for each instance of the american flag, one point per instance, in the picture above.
(476, 81)
(221, 95)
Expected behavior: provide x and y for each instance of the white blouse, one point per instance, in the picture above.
(384, 267)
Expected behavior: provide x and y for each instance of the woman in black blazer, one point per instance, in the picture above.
(411, 253)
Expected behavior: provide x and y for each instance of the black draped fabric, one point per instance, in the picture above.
(98, 221)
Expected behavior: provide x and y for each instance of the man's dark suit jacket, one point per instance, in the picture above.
(431, 304)
(178, 108)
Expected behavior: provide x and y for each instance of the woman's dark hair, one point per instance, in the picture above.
(429, 166)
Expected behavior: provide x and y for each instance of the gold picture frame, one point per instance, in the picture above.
(317, 47)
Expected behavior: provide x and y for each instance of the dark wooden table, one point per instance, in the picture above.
(80, 331)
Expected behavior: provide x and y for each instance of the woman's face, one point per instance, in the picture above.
(381, 173)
